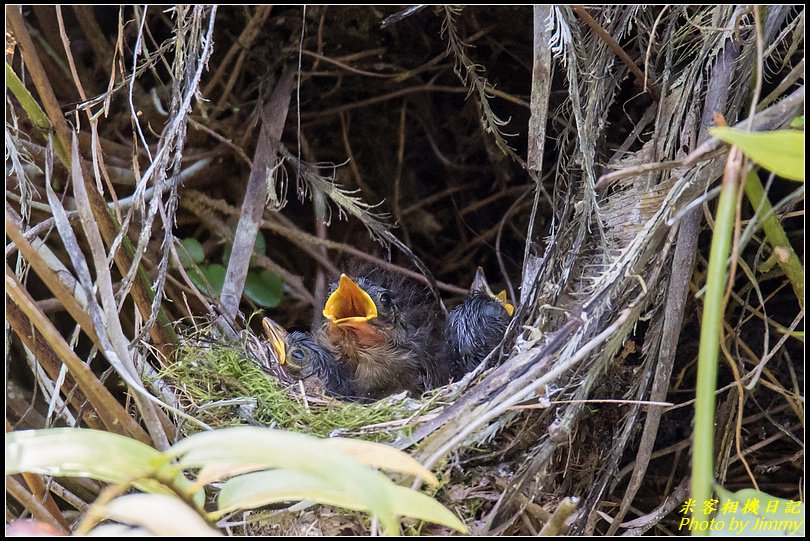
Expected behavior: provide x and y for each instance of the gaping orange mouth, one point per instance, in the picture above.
(276, 336)
(349, 305)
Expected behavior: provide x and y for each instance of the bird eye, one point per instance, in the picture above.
(298, 355)
(385, 300)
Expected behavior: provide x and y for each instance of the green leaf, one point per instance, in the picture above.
(797, 122)
(760, 522)
(383, 456)
(190, 252)
(198, 278)
(275, 486)
(291, 451)
(80, 452)
(261, 245)
(158, 514)
(780, 151)
(105, 456)
(410, 503)
(265, 288)
(214, 279)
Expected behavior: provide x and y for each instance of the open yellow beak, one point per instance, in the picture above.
(349, 304)
(510, 309)
(276, 336)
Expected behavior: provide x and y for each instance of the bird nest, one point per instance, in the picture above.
(232, 383)
(238, 382)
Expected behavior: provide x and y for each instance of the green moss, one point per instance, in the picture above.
(209, 379)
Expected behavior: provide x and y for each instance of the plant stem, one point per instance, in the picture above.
(710, 334)
(785, 255)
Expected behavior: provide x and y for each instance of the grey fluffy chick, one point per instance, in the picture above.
(475, 327)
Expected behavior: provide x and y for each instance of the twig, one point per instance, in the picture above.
(291, 232)
(37, 509)
(398, 174)
(641, 81)
(398, 94)
(265, 161)
(112, 414)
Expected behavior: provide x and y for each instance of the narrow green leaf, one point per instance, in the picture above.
(789, 261)
(97, 454)
(274, 486)
(411, 503)
(710, 330)
(217, 472)
(780, 151)
(35, 113)
(265, 288)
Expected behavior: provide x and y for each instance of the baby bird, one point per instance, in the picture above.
(304, 358)
(380, 327)
(475, 327)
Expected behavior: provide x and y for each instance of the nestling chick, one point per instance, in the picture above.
(475, 327)
(304, 358)
(380, 328)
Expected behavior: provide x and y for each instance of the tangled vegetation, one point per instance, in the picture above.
(632, 176)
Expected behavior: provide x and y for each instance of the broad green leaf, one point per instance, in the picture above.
(199, 280)
(797, 122)
(762, 521)
(265, 288)
(290, 451)
(780, 151)
(208, 278)
(159, 514)
(190, 251)
(261, 245)
(264, 488)
(215, 275)
(81, 453)
(383, 456)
